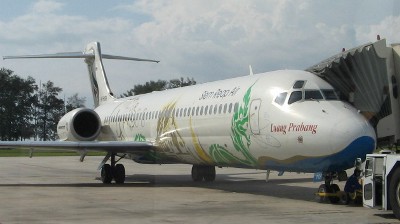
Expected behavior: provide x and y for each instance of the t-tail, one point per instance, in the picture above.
(93, 58)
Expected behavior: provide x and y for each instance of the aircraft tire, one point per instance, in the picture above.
(322, 189)
(119, 174)
(394, 193)
(197, 173)
(209, 174)
(334, 188)
(345, 198)
(106, 174)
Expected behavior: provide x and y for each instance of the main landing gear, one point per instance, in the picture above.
(201, 172)
(112, 171)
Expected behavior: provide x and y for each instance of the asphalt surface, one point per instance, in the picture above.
(64, 190)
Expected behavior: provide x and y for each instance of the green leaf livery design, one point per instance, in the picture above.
(240, 138)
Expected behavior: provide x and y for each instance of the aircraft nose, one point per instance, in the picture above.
(354, 134)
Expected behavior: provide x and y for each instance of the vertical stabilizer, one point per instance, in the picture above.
(98, 79)
(93, 58)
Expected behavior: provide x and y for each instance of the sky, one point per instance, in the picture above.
(206, 40)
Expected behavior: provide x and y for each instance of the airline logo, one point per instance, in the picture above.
(220, 93)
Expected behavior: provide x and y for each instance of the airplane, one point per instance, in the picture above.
(286, 120)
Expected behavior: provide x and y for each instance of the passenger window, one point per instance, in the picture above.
(295, 96)
(201, 110)
(215, 109)
(206, 110)
(230, 108)
(211, 109)
(280, 99)
(225, 106)
(220, 109)
(236, 108)
(299, 84)
(330, 94)
(197, 111)
(313, 95)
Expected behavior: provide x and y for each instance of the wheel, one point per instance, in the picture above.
(106, 174)
(394, 193)
(209, 174)
(119, 174)
(322, 189)
(197, 173)
(345, 198)
(334, 188)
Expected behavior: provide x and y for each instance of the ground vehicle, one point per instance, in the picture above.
(381, 182)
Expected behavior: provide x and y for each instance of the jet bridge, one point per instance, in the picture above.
(367, 77)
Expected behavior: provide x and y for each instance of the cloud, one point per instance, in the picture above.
(268, 34)
(388, 28)
(46, 6)
(207, 40)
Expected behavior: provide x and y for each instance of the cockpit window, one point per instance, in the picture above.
(313, 95)
(295, 96)
(280, 99)
(330, 94)
(299, 84)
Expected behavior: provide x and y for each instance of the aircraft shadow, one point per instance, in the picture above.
(281, 188)
(233, 183)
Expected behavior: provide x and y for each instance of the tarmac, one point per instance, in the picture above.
(64, 190)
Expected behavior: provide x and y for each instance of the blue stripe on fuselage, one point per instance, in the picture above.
(337, 162)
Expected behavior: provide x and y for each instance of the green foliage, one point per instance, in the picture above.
(74, 102)
(49, 111)
(17, 100)
(159, 85)
(176, 83)
(27, 111)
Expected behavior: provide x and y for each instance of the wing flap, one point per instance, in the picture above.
(104, 146)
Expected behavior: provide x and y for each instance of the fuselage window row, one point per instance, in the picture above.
(216, 109)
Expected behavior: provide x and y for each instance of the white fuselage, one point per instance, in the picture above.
(266, 121)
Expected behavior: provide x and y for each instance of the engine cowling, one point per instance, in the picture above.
(81, 124)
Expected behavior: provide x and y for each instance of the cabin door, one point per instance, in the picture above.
(255, 116)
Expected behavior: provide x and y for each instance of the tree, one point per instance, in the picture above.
(74, 102)
(148, 87)
(159, 85)
(176, 83)
(17, 97)
(49, 111)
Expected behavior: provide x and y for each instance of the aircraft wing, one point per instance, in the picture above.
(104, 146)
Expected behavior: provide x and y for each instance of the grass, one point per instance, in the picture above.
(41, 153)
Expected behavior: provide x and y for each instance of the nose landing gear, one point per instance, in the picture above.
(330, 191)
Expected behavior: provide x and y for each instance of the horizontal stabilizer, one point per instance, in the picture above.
(77, 55)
